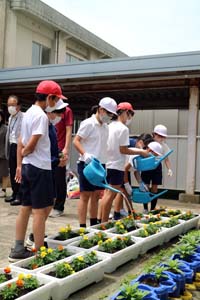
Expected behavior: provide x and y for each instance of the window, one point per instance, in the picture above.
(71, 58)
(40, 54)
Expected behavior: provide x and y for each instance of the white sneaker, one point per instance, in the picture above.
(145, 211)
(110, 216)
(2, 194)
(123, 212)
(56, 213)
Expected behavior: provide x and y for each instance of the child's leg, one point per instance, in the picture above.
(154, 190)
(93, 207)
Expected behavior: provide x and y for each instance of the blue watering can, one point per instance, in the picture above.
(96, 175)
(144, 197)
(148, 163)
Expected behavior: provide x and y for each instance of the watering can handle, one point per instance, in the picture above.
(166, 155)
(157, 195)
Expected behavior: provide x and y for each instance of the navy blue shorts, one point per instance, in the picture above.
(36, 187)
(115, 177)
(85, 186)
(153, 176)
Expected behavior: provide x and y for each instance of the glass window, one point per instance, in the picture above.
(40, 54)
(71, 58)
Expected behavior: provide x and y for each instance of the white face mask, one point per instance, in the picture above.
(50, 108)
(56, 120)
(12, 110)
(128, 122)
(105, 118)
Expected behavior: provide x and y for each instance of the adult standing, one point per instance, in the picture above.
(3, 161)
(13, 133)
(35, 171)
(64, 136)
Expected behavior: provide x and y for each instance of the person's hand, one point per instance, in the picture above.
(170, 173)
(144, 153)
(87, 157)
(128, 188)
(65, 154)
(62, 162)
(143, 187)
(18, 175)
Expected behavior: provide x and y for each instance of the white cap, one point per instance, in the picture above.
(161, 130)
(155, 147)
(60, 104)
(108, 104)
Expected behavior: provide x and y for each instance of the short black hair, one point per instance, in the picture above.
(40, 97)
(59, 111)
(16, 98)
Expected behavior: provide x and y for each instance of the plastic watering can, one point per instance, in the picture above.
(148, 163)
(96, 175)
(145, 197)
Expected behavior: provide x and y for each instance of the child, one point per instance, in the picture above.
(154, 177)
(90, 141)
(118, 142)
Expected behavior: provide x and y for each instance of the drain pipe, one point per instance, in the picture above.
(57, 38)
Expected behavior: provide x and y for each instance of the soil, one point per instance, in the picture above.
(8, 276)
(71, 235)
(151, 282)
(21, 293)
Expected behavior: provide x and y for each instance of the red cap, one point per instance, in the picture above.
(125, 106)
(50, 87)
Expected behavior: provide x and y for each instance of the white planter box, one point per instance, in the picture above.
(174, 231)
(122, 256)
(76, 243)
(72, 283)
(192, 223)
(96, 227)
(151, 241)
(53, 243)
(20, 266)
(44, 292)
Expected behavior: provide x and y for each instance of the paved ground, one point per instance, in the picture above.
(110, 282)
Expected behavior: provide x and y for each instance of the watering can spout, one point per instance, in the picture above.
(158, 160)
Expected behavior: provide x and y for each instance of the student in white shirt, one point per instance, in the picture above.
(91, 141)
(34, 169)
(118, 142)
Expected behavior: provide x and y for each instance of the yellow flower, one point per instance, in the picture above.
(49, 250)
(85, 237)
(28, 276)
(108, 241)
(43, 254)
(43, 248)
(121, 226)
(82, 230)
(67, 266)
(100, 242)
(80, 258)
(118, 223)
(21, 276)
(146, 232)
(62, 230)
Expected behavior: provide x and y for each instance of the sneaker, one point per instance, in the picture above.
(123, 212)
(18, 255)
(30, 241)
(110, 216)
(2, 194)
(145, 211)
(56, 213)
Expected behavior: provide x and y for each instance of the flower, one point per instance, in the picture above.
(21, 276)
(60, 248)
(49, 250)
(7, 270)
(43, 248)
(20, 282)
(43, 254)
(80, 258)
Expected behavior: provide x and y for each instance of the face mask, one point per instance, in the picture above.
(50, 108)
(56, 120)
(12, 110)
(105, 119)
(128, 122)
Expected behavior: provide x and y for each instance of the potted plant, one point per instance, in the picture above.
(105, 226)
(27, 286)
(90, 240)
(43, 257)
(191, 220)
(65, 236)
(121, 249)
(175, 227)
(151, 219)
(76, 272)
(170, 213)
(124, 225)
(159, 281)
(134, 291)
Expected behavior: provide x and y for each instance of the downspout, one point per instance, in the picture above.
(57, 37)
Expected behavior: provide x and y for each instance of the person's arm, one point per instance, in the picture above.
(168, 166)
(126, 172)
(133, 151)
(19, 160)
(77, 144)
(68, 138)
(30, 146)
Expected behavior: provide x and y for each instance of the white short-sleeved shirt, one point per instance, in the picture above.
(34, 122)
(165, 148)
(94, 138)
(118, 136)
(129, 160)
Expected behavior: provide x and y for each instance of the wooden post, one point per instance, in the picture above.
(192, 139)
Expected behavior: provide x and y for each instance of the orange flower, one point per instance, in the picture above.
(34, 266)
(60, 248)
(20, 283)
(103, 227)
(34, 250)
(7, 270)
(9, 285)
